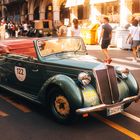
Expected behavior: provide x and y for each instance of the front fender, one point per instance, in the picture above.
(132, 85)
(71, 90)
(90, 96)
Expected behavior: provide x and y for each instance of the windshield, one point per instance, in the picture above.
(58, 45)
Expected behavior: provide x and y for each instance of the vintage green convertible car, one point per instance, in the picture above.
(67, 80)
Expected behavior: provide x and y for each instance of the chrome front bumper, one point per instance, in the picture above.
(105, 106)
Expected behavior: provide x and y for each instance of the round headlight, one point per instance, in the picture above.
(84, 78)
(123, 71)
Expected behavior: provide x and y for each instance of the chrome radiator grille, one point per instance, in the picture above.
(107, 84)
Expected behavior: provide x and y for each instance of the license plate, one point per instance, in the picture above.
(114, 110)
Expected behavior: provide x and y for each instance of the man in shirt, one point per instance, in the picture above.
(106, 35)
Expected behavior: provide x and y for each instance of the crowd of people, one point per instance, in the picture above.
(11, 29)
(74, 30)
(106, 36)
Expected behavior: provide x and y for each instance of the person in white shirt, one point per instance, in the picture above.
(2, 30)
(25, 28)
(135, 34)
(75, 29)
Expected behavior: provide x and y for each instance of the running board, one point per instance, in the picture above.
(26, 95)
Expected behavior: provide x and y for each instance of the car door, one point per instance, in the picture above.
(24, 74)
(29, 74)
(15, 72)
(35, 79)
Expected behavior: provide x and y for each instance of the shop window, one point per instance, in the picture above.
(64, 12)
(80, 11)
(48, 14)
(83, 11)
(136, 6)
(36, 13)
(111, 10)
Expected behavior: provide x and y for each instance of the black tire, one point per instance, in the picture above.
(60, 107)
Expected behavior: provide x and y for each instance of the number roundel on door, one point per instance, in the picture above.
(20, 73)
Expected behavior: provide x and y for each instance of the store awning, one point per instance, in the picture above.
(100, 1)
(71, 3)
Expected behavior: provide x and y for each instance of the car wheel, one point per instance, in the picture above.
(60, 107)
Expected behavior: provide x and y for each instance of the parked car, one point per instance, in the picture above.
(68, 81)
(40, 28)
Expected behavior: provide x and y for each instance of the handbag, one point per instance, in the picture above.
(131, 41)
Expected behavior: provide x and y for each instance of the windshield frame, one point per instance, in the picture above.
(82, 45)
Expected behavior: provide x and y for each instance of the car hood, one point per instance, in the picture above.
(78, 61)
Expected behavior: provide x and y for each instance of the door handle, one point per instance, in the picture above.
(35, 70)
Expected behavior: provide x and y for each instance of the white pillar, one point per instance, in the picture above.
(2, 9)
(73, 13)
(94, 13)
(124, 12)
(22, 18)
(56, 13)
(31, 16)
(42, 15)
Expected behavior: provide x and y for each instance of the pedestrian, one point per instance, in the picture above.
(20, 29)
(62, 31)
(75, 29)
(13, 30)
(2, 30)
(16, 30)
(105, 39)
(25, 28)
(134, 38)
(10, 26)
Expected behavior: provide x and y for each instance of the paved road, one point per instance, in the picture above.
(21, 120)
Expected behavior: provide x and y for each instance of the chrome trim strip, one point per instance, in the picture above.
(104, 106)
(114, 80)
(110, 86)
(98, 85)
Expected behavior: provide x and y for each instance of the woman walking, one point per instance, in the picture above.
(134, 33)
(75, 30)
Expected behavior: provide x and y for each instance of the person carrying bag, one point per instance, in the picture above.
(134, 34)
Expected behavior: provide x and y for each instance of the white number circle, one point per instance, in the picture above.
(20, 73)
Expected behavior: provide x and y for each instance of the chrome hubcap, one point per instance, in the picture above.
(62, 105)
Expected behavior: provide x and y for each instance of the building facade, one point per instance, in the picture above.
(118, 11)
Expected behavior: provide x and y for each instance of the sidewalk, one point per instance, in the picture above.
(119, 56)
(98, 47)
